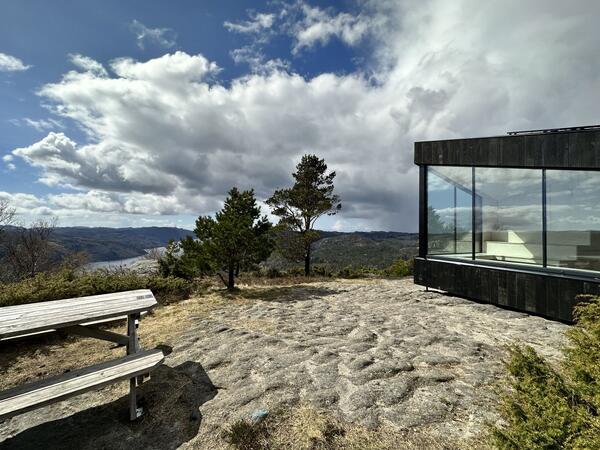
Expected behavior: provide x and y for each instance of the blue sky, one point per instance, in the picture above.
(146, 112)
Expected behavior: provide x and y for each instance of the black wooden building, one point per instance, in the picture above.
(512, 220)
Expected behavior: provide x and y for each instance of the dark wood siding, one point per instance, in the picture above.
(543, 294)
(576, 150)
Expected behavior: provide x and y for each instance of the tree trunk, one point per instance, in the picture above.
(231, 281)
(307, 262)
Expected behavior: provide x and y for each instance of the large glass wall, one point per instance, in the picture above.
(507, 221)
(510, 214)
(449, 219)
(573, 211)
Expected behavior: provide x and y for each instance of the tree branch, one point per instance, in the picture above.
(222, 279)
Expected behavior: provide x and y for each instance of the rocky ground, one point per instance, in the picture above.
(370, 352)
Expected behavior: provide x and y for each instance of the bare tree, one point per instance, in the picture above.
(7, 215)
(27, 251)
(153, 254)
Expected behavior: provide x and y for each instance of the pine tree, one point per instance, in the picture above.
(238, 236)
(300, 206)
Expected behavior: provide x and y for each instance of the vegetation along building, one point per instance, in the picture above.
(512, 220)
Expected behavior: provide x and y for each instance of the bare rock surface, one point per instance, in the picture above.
(371, 352)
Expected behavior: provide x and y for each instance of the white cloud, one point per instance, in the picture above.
(318, 26)
(256, 24)
(94, 209)
(307, 26)
(165, 132)
(10, 63)
(8, 162)
(257, 60)
(88, 64)
(98, 201)
(38, 124)
(161, 37)
(178, 68)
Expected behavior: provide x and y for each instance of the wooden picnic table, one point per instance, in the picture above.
(81, 316)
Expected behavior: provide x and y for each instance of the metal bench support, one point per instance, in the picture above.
(133, 346)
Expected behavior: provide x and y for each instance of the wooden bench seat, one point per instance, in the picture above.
(33, 395)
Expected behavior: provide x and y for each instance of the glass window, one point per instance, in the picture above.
(509, 215)
(573, 219)
(449, 218)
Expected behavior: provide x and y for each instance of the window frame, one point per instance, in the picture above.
(477, 229)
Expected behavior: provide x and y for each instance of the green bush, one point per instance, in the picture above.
(68, 283)
(400, 268)
(318, 271)
(358, 272)
(547, 408)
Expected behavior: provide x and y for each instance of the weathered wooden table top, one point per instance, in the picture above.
(32, 318)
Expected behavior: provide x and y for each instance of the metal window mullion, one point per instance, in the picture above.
(544, 222)
(424, 212)
(455, 219)
(473, 231)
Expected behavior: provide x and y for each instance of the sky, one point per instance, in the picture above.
(146, 113)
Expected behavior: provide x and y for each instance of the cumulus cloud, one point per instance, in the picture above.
(160, 37)
(10, 63)
(111, 202)
(166, 132)
(95, 208)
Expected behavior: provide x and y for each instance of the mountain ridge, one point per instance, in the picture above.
(335, 249)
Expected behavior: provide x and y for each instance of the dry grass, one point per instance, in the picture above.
(253, 281)
(23, 361)
(306, 428)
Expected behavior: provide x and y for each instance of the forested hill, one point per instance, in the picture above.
(106, 244)
(368, 249)
(335, 249)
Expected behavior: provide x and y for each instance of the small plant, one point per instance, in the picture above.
(243, 435)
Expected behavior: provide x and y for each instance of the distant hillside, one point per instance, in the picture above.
(368, 249)
(107, 244)
(335, 250)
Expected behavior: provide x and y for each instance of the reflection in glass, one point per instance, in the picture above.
(449, 219)
(573, 219)
(509, 214)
